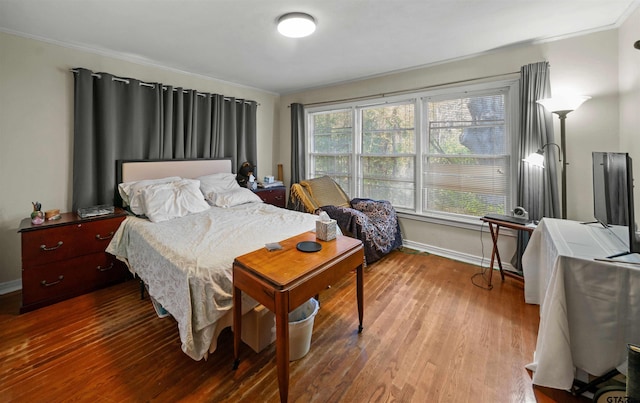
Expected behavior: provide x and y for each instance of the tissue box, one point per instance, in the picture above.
(268, 179)
(326, 230)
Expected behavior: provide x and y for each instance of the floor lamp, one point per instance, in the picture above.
(561, 106)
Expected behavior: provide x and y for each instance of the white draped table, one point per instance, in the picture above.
(589, 309)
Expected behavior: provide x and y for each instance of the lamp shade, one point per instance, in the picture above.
(536, 159)
(563, 102)
(296, 25)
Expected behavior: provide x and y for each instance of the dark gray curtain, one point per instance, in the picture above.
(116, 118)
(537, 188)
(298, 139)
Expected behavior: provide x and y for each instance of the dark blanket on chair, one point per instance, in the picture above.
(373, 221)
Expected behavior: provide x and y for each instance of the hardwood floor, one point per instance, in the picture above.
(429, 335)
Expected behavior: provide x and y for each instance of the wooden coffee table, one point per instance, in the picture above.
(284, 279)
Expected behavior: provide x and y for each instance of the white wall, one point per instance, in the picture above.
(629, 78)
(36, 128)
(587, 64)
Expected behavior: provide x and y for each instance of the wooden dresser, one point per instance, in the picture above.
(64, 258)
(275, 195)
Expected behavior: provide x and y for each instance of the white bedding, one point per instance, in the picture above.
(186, 262)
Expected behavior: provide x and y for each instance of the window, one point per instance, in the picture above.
(331, 146)
(444, 153)
(388, 155)
(466, 159)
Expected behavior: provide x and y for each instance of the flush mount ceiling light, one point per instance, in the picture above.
(296, 25)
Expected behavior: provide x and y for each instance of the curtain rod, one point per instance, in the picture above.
(400, 92)
(164, 87)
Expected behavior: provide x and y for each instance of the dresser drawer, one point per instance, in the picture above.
(64, 279)
(64, 242)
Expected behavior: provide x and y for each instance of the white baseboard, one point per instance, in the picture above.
(10, 286)
(16, 285)
(455, 255)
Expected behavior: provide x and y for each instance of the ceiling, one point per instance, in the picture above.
(236, 40)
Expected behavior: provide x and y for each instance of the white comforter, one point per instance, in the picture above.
(186, 262)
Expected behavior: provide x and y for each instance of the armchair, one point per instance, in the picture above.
(374, 222)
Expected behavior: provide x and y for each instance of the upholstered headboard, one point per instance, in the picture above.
(135, 170)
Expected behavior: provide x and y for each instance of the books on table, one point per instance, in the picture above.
(272, 184)
(95, 211)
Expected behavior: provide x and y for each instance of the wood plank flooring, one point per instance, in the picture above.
(429, 335)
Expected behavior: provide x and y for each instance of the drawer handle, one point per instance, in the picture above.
(102, 238)
(44, 247)
(44, 282)
(279, 197)
(100, 268)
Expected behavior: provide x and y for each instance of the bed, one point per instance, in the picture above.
(186, 261)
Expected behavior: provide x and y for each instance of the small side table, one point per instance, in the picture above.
(494, 228)
(274, 195)
(282, 280)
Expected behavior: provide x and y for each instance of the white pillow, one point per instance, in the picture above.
(130, 192)
(235, 197)
(211, 185)
(165, 201)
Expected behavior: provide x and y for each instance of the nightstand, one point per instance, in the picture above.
(274, 195)
(66, 257)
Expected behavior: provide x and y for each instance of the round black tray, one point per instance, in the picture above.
(308, 246)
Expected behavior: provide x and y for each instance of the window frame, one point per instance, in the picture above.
(508, 87)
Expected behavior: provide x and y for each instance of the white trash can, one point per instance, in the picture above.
(300, 328)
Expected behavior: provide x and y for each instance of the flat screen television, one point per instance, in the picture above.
(613, 194)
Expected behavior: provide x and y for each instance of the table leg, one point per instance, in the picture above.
(360, 291)
(495, 255)
(237, 325)
(282, 343)
(495, 244)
